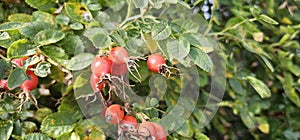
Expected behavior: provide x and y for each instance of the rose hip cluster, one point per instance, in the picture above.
(27, 86)
(106, 68)
(115, 64)
(128, 127)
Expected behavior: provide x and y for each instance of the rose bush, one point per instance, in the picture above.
(65, 64)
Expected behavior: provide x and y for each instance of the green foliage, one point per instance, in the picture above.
(259, 41)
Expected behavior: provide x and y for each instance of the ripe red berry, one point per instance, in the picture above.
(19, 61)
(129, 122)
(30, 84)
(101, 65)
(94, 80)
(3, 84)
(119, 55)
(114, 114)
(149, 130)
(119, 69)
(155, 61)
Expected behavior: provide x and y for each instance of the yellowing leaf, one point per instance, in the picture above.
(265, 128)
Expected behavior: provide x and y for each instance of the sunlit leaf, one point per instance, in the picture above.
(10, 26)
(268, 19)
(36, 136)
(260, 87)
(20, 17)
(21, 48)
(41, 4)
(289, 90)
(49, 36)
(6, 129)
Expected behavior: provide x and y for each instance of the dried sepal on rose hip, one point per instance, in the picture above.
(119, 57)
(128, 127)
(157, 64)
(114, 114)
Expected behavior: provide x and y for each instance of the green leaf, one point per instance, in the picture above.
(178, 49)
(196, 39)
(236, 86)
(20, 48)
(13, 36)
(78, 12)
(80, 61)
(186, 129)
(98, 36)
(140, 3)
(201, 136)
(289, 89)
(151, 44)
(268, 63)
(135, 46)
(268, 19)
(55, 53)
(201, 59)
(116, 5)
(42, 113)
(72, 44)
(246, 118)
(118, 37)
(5, 67)
(160, 31)
(58, 123)
(171, 1)
(42, 16)
(89, 124)
(10, 26)
(94, 6)
(57, 74)
(62, 19)
(101, 40)
(16, 78)
(263, 125)
(30, 29)
(81, 80)
(76, 26)
(6, 129)
(41, 4)
(42, 69)
(36, 136)
(260, 87)
(20, 17)
(49, 36)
